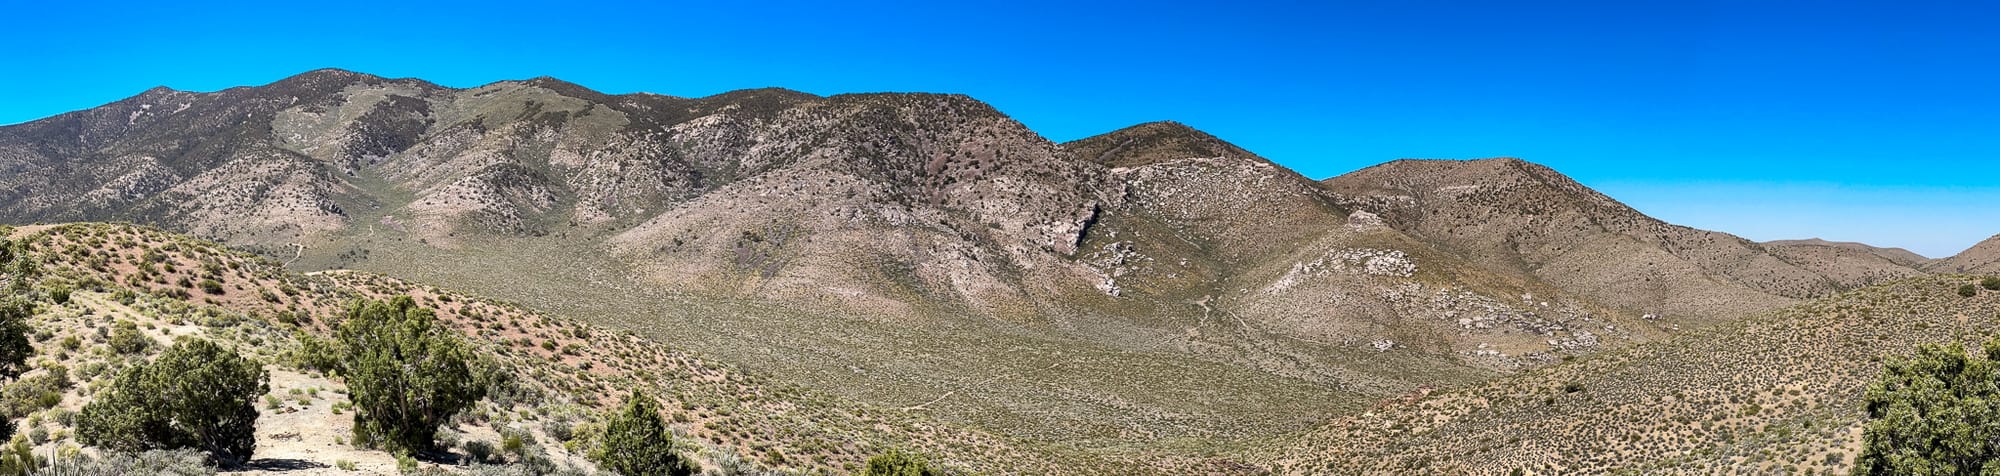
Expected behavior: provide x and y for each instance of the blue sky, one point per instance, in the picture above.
(1866, 121)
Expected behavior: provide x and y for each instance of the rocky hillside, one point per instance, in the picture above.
(1777, 393)
(312, 158)
(1511, 214)
(1201, 225)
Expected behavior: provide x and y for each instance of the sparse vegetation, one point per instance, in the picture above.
(35, 393)
(1741, 397)
(156, 463)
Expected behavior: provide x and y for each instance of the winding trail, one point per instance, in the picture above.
(298, 251)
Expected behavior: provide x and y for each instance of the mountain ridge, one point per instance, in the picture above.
(1897, 253)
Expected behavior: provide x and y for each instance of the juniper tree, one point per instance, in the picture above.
(637, 442)
(196, 395)
(1936, 412)
(407, 374)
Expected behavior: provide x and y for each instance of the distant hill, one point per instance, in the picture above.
(1515, 215)
(1897, 256)
(1983, 257)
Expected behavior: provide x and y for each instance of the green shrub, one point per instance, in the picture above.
(1991, 283)
(512, 443)
(59, 294)
(407, 375)
(637, 443)
(895, 462)
(315, 353)
(33, 394)
(1967, 290)
(562, 431)
(1936, 412)
(17, 458)
(406, 464)
(479, 450)
(195, 395)
(211, 286)
(126, 338)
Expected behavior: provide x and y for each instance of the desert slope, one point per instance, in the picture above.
(1779, 391)
(557, 377)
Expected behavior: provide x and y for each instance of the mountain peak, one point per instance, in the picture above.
(1488, 164)
(763, 92)
(1424, 175)
(320, 80)
(329, 74)
(567, 88)
(1154, 142)
(549, 82)
(1165, 128)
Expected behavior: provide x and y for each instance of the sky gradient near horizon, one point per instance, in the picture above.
(1857, 121)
